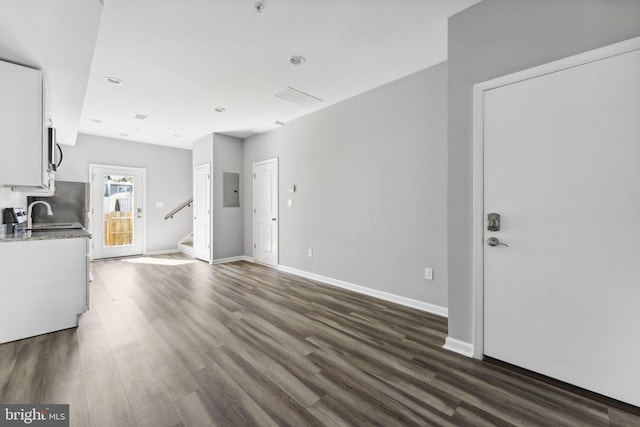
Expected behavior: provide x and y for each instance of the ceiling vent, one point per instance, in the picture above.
(298, 97)
(139, 116)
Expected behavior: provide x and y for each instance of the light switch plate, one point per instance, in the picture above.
(159, 204)
(290, 203)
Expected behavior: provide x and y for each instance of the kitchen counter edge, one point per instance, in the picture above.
(46, 235)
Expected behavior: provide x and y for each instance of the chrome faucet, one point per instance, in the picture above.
(30, 208)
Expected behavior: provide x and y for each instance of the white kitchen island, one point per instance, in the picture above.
(44, 282)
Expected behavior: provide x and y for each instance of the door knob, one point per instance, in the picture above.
(492, 241)
(273, 219)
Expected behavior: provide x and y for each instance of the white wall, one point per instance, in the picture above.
(371, 179)
(168, 180)
(225, 155)
(228, 230)
(495, 38)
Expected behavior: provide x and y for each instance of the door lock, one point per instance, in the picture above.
(493, 222)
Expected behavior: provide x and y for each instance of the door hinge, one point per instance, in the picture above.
(254, 176)
(254, 211)
(254, 246)
(209, 246)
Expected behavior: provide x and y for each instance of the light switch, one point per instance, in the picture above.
(290, 203)
(159, 204)
(292, 188)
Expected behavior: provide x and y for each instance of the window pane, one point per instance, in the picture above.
(118, 210)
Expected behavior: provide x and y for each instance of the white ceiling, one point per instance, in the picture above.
(57, 37)
(180, 59)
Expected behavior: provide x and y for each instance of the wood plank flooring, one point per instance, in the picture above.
(174, 342)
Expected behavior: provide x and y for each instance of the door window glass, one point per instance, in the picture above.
(118, 210)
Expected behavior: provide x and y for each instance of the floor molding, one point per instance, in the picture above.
(458, 346)
(163, 252)
(408, 302)
(232, 259)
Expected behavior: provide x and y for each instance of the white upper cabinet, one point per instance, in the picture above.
(23, 135)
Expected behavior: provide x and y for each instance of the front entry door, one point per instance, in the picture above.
(117, 207)
(202, 212)
(265, 212)
(562, 169)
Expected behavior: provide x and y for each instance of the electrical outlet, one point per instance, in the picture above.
(310, 253)
(428, 273)
(290, 203)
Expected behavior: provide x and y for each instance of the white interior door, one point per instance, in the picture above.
(118, 211)
(265, 212)
(202, 212)
(562, 168)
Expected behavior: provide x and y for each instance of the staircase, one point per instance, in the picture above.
(185, 245)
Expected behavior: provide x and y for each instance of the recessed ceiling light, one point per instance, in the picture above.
(96, 120)
(220, 109)
(297, 59)
(139, 116)
(113, 80)
(177, 135)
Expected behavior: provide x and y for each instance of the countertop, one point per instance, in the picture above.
(47, 234)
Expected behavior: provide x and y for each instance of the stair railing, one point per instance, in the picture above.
(179, 208)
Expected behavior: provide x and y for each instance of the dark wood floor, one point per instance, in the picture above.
(172, 342)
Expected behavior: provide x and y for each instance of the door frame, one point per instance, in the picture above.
(477, 345)
(92, 223)
(253, 207)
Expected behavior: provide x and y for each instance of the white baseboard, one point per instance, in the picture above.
(187, 250)
(408, 302)
(232, 259)
(457, 346)
(163, 252)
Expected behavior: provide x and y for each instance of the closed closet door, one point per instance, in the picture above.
(562, 169)
(265, 212)
(202, 212)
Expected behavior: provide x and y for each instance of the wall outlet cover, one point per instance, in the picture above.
(428, 273)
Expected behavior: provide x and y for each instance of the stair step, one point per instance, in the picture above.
(190, 244)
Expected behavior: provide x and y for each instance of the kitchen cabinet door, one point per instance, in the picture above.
(23, 142)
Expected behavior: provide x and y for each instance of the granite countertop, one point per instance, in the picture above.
(47, 234)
